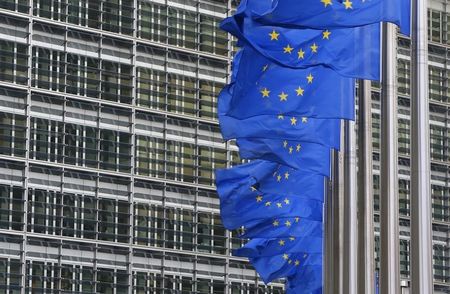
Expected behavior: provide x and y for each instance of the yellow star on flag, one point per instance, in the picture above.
(292, 238)
(259, 198)
(300, 91)
(291, 150)
(274, 35)
(348, 4)
(297, 263)
(287, 223)
(310, 78)
(279, 205)
(285, 143)
(285, 256)
(283, 96)
(304, 120)
(268, 203)
(326, 2)
(276, 223)
(286, 176)
(286, 201)
(288, 49)
(301, 54)
(293, 121)
(326, 35)
(281, 242)
(299, 147)
(265, 92)
(278, 178)
(280, 116)
(297, 219)
(314, 48)
(265, 67)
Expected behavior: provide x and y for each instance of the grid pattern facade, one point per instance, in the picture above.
(108, 142)
(109, 138)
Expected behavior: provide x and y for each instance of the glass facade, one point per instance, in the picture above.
(109, 138)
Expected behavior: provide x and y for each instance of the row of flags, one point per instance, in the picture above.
(292, 82)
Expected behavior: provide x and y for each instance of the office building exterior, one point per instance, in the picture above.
(109, 138)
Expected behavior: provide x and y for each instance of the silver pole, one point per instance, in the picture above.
(421, 217)
(390, 271)
(350, 211)
(366, 266)
(338, 220)
(328, 274)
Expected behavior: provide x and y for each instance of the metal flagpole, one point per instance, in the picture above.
(421, 227)
(389, 223)
(338, 220)
(328, 273)
(350, 210)
(366, 266)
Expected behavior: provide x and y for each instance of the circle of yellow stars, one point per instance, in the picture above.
(314, 48)
(283, 96)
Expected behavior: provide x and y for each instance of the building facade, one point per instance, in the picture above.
(109, 138)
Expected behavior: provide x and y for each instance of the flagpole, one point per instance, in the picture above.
(350, 210)
(421, 216)
(366, 266)
(389, 216)
(338, 220)
(328, 273)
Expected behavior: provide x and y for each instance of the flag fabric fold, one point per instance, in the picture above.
(265, 88)
(353, 52)
(327, 14)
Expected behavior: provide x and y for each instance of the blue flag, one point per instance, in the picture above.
(250, 207)
(264, 88)
(260, 176)
(329, 14)
(264, 247)
(307, 280)
(352, 52)
(299, 155)
(302, 129)
(284, 265)
(274, 228)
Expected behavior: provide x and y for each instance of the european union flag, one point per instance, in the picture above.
(263, 247)
(297, 154)
(264, 88)
(302, 129)
(307, 280)
(247, 206)
(270, 177)
(274, 228)
(329, 14)
(352, 52)
(284, 265)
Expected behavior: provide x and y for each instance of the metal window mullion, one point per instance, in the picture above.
(27, 152)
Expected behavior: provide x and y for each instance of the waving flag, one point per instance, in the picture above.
(328, 14)
(251, 206)
(260, 176)
(265, 88)
(306, 280)
(285, 264)
(353, 52)
(277, 228)
(299, 155)
(261, 247)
